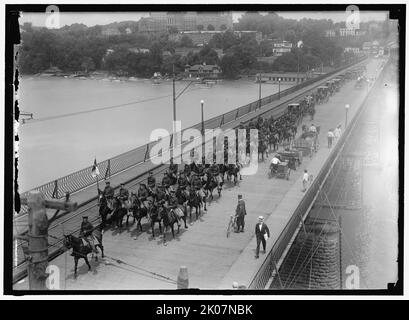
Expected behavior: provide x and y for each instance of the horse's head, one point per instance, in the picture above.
(67, 242)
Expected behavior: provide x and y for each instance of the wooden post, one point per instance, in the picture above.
(37, 241)
(37, 236)
(183, 278)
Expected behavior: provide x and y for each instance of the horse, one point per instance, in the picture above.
(210, 184)
(232, 172)
(104, 210)
(155, 215)
(138, 211)
(81, 251)
(118, 212)
(169, 218)
(195, 201)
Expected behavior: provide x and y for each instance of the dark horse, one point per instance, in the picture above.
(211, 184)
(155, 215)
(118, 212)
(169, 217)
(194, 201)
(80, 250)
(104, 210)
(138, 211)
(232, 172)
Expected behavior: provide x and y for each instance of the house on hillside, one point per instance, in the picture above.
(204, 71)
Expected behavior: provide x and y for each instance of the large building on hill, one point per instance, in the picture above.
(185, 21)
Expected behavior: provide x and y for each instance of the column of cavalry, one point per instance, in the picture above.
(189, 186)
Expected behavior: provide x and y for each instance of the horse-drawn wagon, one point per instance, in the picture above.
(308, 142)
(293, 156)
(322, 92)
(281, 170)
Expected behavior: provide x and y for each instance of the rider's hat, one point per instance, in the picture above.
(261, 218)
(85, 217)
(122, 184)
(107, 182)
(240, 196)
(150, 172)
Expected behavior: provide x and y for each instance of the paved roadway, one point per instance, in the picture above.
(212, 259)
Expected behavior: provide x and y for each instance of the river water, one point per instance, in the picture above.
(53, 148)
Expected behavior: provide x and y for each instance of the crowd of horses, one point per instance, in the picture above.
(171, 202)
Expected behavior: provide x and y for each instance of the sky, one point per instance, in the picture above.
(102, 18)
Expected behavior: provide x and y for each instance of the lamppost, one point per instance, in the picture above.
(259, 91)
(203, 130)
(346, 115)
(279, 89)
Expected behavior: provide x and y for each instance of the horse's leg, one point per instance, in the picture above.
(75, 266)
(127, 218)
(87, 262)
(102, 249)
(153, 228)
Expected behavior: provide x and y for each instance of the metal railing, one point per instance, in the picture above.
(263, 275)
(81, 179)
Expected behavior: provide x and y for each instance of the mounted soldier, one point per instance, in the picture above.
(123, 194)
(173, 170)
(151, 182)
(166, 181)
(197, 185)
(143, 195)
(86, 233)
(215, 171)
(183, 182)
(108, 191)
(172, 206)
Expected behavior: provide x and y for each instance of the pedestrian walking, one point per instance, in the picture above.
(262, 234)
(337, 132)
(305, 180)
(240, 213)
(330, 136)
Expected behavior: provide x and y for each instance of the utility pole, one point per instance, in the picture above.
(37, 236)
(259, 91)
(174, 110)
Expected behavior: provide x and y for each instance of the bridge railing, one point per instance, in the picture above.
(81, 179)
(270, 263)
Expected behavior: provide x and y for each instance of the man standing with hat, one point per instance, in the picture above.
(262, 234)
(240, 213)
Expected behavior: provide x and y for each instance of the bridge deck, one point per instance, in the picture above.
(213, 260)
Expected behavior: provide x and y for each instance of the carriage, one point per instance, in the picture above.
(322, 93)
(331, 86)
(337, 83)
(293, 108)
(293, 156)
(283, 171)
(359, 84)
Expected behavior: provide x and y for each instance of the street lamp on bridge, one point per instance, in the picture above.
(203, 129)
(346, 115)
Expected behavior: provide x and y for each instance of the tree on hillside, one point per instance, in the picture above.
(186, 41)
(210, 27)
(223, 27)
(200, 27)
(230, 66)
